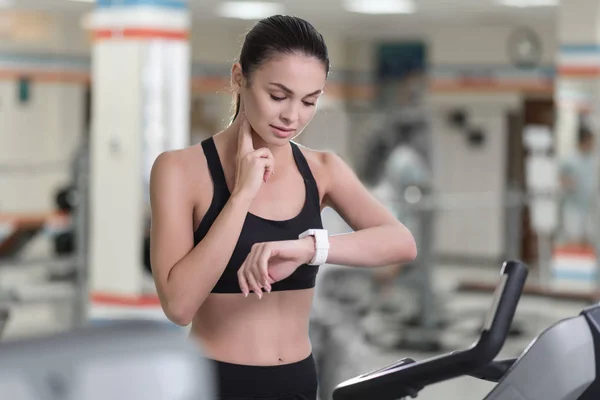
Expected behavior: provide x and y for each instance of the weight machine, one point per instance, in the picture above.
(65, 276)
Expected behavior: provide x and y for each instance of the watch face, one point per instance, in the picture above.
(525, 48)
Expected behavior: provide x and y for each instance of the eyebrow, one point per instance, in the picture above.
(289, 91)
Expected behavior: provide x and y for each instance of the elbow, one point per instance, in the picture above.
(178, 318)
(178, 313)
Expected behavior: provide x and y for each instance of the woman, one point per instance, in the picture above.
(232, 251)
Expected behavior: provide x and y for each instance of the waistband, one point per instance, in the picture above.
(276, 380)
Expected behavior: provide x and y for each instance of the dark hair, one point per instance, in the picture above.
(280, 34)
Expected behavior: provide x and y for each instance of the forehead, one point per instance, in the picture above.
(300, 73)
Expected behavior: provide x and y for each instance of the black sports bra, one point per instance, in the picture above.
(257, 229)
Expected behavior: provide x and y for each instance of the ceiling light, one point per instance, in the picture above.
(249, 9)
(380, 6)
(530, 3)
(84, 1)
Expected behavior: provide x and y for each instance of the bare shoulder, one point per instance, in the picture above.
(342, 190)
(180, 170)
(326, 166)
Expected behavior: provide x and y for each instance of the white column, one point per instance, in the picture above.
(141, 84)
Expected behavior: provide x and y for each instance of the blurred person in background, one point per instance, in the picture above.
(405, 167)
(577, 174)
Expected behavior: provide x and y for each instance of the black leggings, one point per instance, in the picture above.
(296, 381)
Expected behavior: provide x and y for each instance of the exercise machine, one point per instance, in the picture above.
(65, 277)
(129, 360)
(560, 363)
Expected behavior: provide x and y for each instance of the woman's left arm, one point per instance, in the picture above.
(379, 239)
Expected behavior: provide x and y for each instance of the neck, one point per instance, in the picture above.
(280, 152)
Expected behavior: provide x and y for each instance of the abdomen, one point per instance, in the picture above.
(249, 331)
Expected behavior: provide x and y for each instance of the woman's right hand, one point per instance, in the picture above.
(253, 166)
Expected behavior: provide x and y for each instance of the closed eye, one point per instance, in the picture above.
(306, 103)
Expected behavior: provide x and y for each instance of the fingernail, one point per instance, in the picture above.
(245, 294)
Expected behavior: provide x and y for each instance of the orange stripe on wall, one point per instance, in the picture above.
(129, 301)
(490, 86)
(575, 250)
(333, 89)
(139, 33)
(583, 72)
(46, 76)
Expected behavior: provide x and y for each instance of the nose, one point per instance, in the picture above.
(289, 113)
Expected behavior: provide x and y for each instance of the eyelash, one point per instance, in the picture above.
(283, 98)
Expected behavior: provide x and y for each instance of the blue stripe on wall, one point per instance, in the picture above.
(170, 4)
(507, 71)
(46, 60)
(579, 48)
(217, 70)
(575, 275)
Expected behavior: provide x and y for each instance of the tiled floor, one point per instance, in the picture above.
(351, 353)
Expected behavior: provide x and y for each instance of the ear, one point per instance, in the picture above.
(237, 77)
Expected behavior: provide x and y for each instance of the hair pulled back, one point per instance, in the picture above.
(280, 34)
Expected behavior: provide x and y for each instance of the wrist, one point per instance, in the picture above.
(308, 247)
(239, 198)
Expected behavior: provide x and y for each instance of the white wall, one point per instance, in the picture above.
(56, 106)
(44, 131)
(459, 169)
(456, 50)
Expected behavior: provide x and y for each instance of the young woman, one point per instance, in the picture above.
(237, 236)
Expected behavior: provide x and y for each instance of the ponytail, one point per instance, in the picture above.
(237, 107)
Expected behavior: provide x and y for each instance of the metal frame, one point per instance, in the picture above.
(78, 263)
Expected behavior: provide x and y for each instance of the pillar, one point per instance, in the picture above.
(140, 103)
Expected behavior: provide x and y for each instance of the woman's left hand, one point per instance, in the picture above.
(272, 262)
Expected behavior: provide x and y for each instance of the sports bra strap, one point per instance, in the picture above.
(215, 167)
(302, 163)
(311, 184)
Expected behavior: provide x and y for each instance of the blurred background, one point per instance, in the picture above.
(473, 120)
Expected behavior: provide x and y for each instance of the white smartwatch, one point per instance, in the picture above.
(321, 245)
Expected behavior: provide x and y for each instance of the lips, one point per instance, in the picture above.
(282, 129)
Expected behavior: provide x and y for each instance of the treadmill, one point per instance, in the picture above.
(559, 364)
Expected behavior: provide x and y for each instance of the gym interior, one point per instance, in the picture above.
(472, 120)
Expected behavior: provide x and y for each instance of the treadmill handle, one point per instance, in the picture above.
(494, 371)
(397, 381)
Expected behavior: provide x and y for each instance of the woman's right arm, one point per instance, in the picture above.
(185, 274)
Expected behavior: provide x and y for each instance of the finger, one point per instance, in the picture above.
(263, 267)
(245, 144)
(242, 280)
(269, 168)
(252, 283)
(249, 270)
(257, 251)
(263, 152)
